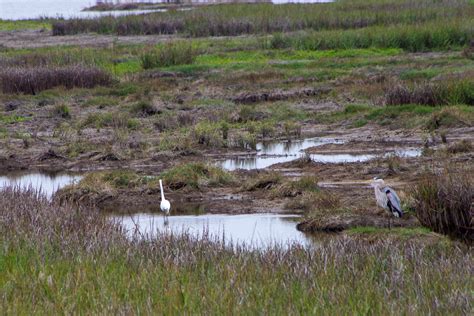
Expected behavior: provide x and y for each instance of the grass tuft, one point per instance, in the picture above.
(451, 93)
(170, 54)
(443, 203)
(195, 176)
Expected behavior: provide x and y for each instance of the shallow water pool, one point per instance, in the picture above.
(250, 230)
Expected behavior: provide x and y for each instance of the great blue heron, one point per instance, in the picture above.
(165, 205)
(387, 198)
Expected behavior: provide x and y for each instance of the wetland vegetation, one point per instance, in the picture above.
(311, 101)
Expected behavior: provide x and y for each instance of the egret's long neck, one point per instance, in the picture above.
(161, 189)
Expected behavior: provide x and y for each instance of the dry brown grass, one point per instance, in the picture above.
(34, 80)
(443, 202)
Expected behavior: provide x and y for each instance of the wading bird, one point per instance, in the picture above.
(165, 204)
(387, 198)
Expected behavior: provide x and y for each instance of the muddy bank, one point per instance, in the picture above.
(44, 38)
(227, 200)
(343, 222)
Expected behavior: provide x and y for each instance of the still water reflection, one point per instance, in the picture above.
(33, 9)
(270, 153)
(251, 230)
(285, 151)
(47, 184)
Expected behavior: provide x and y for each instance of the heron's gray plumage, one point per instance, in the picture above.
(394, 200)
(387, 198)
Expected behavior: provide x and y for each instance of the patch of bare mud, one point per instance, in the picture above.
(42, 38)
(215, 201)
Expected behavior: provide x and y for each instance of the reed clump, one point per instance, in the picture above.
(444, 203)
(36, 79)
(195, 175)
(413, 38)
(432, 94)
(170, 54)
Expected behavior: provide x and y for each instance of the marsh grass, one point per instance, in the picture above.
(59, 259)
(297, 187)
(413, 38)
(62, 110)
(266, 180)
(463, 146)
(195, 175)
(170, 54)
(238, 19)
(443, 202)
(408, 115)
(34, 80)
(432, 94)
(320, 202)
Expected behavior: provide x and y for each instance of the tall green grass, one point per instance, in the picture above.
(453, 92)
(237, 19)
(170, 54)
(61, 260)
(414, 38)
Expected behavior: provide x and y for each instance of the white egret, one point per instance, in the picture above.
(387, 198)
(165, 204)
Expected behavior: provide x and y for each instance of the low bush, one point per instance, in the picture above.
(34, 80)
(444, 203)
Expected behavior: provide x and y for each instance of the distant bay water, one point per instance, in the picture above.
(33, 9)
